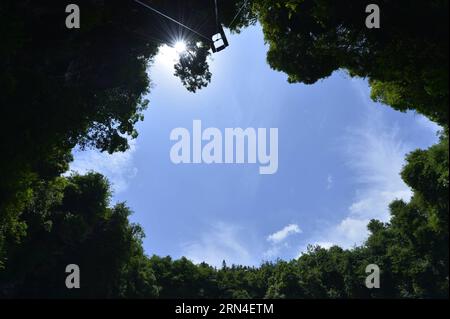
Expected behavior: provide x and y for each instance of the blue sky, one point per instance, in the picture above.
(340, 156)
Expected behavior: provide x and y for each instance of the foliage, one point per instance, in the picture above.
(406, 60)
(192, 68)
(64, 87)
(70, 222)
(87, 87)
(411, 251)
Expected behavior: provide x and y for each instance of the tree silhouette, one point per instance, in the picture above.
(406, 61)
(193, 69)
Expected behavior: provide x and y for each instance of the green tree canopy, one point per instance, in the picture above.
(406, 59)
(70, 221)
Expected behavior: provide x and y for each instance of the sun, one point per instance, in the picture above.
(180, 47)
(169, 55)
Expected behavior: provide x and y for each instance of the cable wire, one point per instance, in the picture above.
(172, 19)
(217, 16)
(238, 13)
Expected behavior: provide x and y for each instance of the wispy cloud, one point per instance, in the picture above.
(377, 159)
(375, 152)
(118, 167)
(220, 242)
(224, 241)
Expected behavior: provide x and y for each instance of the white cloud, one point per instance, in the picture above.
(284, 233)
(376, 155)
(322, 244)
(351, 230)
(348, 233)
(278, 241)
(221, 242)
(118, 167)
(377, 159)
(330, 181)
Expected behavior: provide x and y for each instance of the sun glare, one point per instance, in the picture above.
(169, 55)
(180, 47)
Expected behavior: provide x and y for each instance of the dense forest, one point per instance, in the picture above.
(88, 88)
